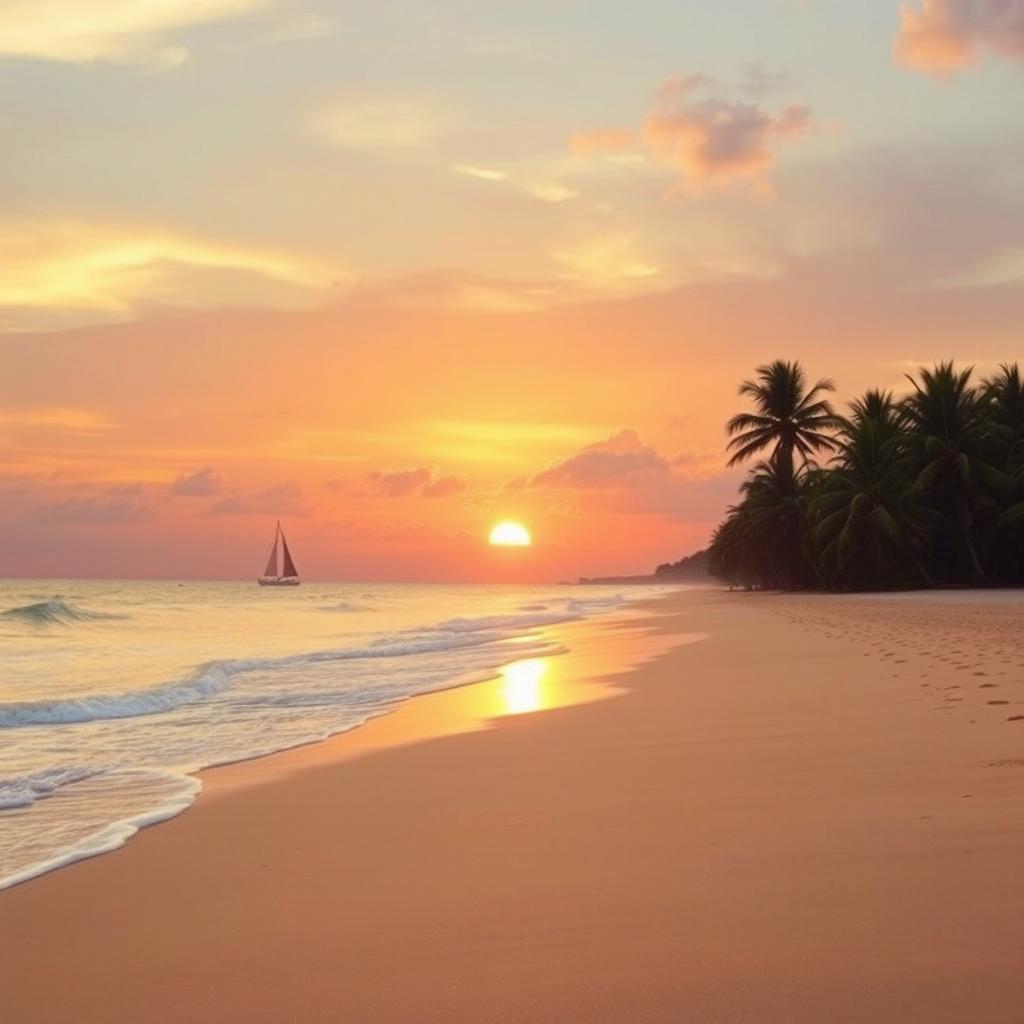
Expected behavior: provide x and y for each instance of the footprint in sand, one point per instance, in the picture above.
(1016, 718)
(997, 702)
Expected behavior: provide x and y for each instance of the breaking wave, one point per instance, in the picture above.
(216, 677)
(55, 612)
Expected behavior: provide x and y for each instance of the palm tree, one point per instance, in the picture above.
(729, 552)
(947, 433)
(862, 532)
(1003, 395)
(761, 542)
(788, 418)
(928, 487)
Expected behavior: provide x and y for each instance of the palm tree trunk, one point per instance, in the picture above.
(978, 574)
(784, 463)
(920, 567)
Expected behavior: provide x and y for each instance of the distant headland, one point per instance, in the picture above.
(691, 569)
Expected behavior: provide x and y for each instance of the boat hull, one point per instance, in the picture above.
(279, 581)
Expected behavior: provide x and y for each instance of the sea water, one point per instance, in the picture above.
(114, 694)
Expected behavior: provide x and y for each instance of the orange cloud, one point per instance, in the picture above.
(116, 505)
(624, 475)
(946, 35)
(620, 461)
(443, 487)
(708, 139)
(281, 500)
(421, 480)
(401, 482)
(203, 483)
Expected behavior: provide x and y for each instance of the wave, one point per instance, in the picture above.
(531, 616)
(215, 677)
(206, 682)
(584, 606)
(25, 790)
(504, 622)
(55, 612)
(182, 791)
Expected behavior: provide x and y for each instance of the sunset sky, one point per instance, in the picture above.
(395, 271)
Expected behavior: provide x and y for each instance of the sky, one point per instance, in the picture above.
(393, 272)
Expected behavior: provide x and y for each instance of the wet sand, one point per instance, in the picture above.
(813, 813)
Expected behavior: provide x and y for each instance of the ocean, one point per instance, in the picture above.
(114, 694)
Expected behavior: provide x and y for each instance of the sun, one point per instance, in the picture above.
(510, 534)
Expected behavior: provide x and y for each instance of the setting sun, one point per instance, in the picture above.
(510, 535)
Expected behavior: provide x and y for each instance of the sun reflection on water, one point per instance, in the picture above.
(524, 686)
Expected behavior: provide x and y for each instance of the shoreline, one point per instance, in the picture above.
(473, 705)
(812, 813)
(532, 640)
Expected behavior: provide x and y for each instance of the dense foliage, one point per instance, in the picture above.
(927, 490)
(692, 569)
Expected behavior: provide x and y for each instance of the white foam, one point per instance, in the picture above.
(111, 836)
(25, 790)
(214, 678)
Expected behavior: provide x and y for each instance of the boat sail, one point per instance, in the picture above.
(289, 576)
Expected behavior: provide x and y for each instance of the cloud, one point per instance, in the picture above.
(946, 35)
(83, 31)
(551, 191)
(548, 191)
(104, 272)
(624, 475)
(608, 262)
(377, 123)
(202, 483)
(483, 173)
(285, 499)
(622, 460)
(708, 139)
(422, 481)
(443, 487)
(401, 482)
(116, 505)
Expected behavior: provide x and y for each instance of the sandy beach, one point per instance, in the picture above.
(721, 808)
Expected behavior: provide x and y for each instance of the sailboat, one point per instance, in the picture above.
(289, 576)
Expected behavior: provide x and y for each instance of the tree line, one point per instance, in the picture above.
(921, 491)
